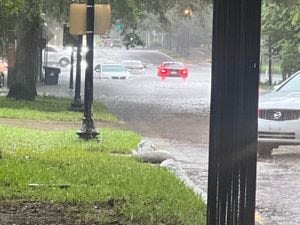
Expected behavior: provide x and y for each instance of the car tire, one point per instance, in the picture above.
(265, 150)
(64, 62)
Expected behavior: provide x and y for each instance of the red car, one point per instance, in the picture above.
(172, 69)
(3, 65)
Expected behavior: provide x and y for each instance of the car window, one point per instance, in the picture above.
(291, 85)
(171, 64)
(113, 68)
(98, 68)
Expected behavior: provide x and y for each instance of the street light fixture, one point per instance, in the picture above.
(71, 81)
(89, 19)
(88, 130)
(188, 12)
(77, 104)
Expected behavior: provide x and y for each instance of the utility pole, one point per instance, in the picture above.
(88, 130)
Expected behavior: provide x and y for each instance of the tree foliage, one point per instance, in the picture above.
(8, 12)
(281, 26)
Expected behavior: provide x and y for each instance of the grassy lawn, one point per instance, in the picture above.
(113, 141)
(141, 193)
(49, 108)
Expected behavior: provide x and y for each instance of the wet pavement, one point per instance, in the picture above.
(174, 115)
(277, 195)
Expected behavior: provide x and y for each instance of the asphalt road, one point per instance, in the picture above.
(174, 115)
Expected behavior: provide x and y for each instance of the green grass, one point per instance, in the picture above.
(115, 141)
(49, 108)
(143, 194)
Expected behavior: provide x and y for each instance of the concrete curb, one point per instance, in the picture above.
(175, 167)
(147, 152)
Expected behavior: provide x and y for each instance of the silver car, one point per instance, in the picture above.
(111, 71)
(134, 66)
(279, 116)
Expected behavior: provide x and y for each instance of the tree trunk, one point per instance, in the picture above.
(23, 81)
(270, 62)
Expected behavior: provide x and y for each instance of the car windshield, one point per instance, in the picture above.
(173, 65)
(113, 68)
(291, 85)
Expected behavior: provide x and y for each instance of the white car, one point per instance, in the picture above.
(279, 116)
(111, 71)
(53, 55)
(134, 66)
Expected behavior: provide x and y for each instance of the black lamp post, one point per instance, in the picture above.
(71, 69)
(88, 130)
(188, 12)
(77, 104)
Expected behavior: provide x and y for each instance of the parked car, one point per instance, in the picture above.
(279, 116)
(172, 69)
(134, 66)
(54, 55)
(111, 71)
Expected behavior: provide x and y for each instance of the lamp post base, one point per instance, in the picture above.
(76, 106)
(88, 130)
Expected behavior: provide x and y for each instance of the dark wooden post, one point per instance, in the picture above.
(233, 120)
